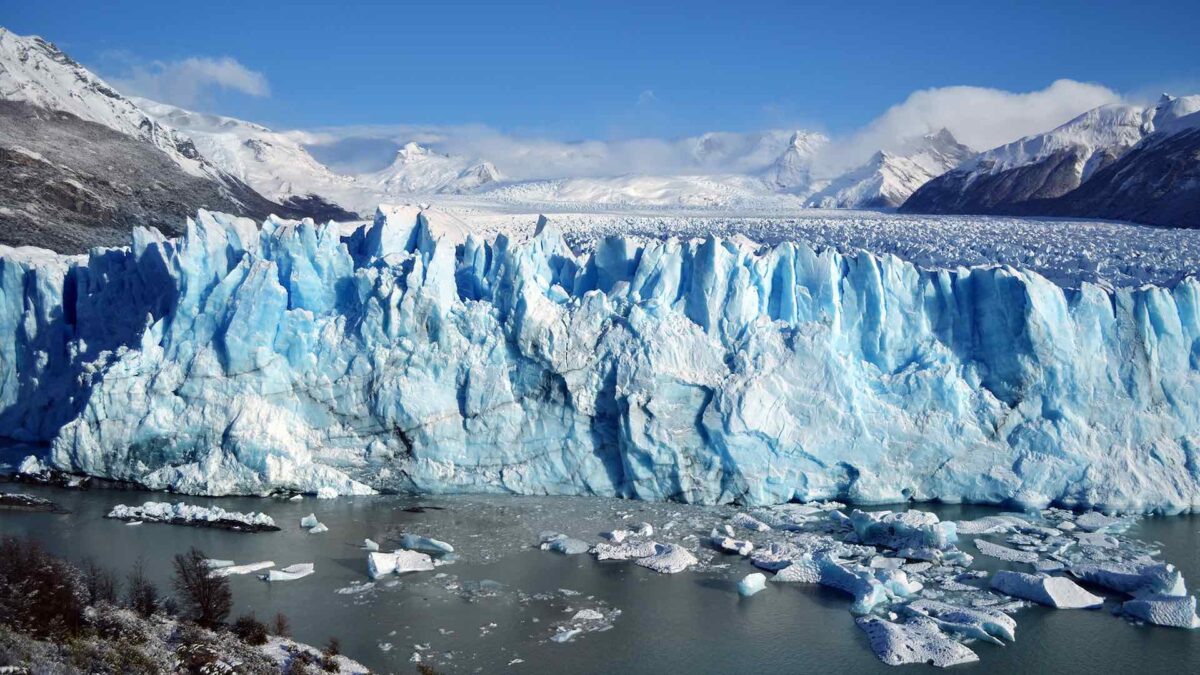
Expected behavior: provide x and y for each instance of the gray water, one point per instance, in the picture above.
(692, 622)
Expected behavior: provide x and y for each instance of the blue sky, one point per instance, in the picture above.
(612, 69)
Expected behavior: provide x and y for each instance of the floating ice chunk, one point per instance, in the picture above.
(133, 523)
(1005, 553)
(803, 571)
(1094, 521)
(1048, 566)
(897, 583)
(1164, 610)
(1058, 592)
(980, 623)
(1096, 539)
(241, 569)
(998, 524)
(213, 563)
(856, 580)
(561, 543)
(32, 466)
(318, 528)
(309, 521)
(628, 550)
(565, 634)
(917, 640)
(751, 584)
(749, 522)
(296, 498)
(643, 530)
(326, 492)
(419, 543)
(1133, 578)
(668, 559)
(616, 536)
(290, 573)
(587, 615)
(370, 545)
(188, 514)
(729, 544)
(905, 529)
(880, 562)
(381, 564)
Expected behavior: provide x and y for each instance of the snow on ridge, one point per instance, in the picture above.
(400, 358)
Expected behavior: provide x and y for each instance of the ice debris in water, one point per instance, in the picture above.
(907, 529)
(370, 545)
(749, 522)
(1004, 553)
(561, 543)
(397, 562)
(722, 538)
(248, 568)
(1057, 592)
(318, 528)
(419, 543)
(214, 563)
(916, 640)
(1164, 610)
(289, 573)
(188, 514)
(668, 559)
(309, 521)
(751, 584)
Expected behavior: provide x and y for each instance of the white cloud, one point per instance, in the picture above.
(979, 117)
(189, 81)
(646, 97)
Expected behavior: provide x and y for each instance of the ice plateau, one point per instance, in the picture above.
(411, 354)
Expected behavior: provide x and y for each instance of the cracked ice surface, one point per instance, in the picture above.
(410, 354)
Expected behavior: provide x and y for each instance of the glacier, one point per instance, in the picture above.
(411, 354)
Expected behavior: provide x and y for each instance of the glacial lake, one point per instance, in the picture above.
(495, 608)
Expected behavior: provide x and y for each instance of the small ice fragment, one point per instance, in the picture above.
(561, 543)
(643, 530)
(309, 521)
(587, 615)
(1058, 592)
(419, 543)
(1005, 553)
(1164, 610)
(296, 498)
(213, 563)
(751, 584)
(133, 523)
(370, 545)
(241, 569)
(917, 640)
(616, 536)
(749, 522)
(318, 528)
(290, 573)
(668, 559)
(380, 564)
(566, 634)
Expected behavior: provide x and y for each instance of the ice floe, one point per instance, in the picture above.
(397, 562)
(751, 584)
(1057, 592)
(290, 573)
(188, 514)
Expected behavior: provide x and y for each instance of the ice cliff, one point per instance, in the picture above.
(412, 355)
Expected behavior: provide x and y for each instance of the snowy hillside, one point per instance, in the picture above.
(419, 170)
(890, 177)
(34, 71)
(635, 191)
(273, 163)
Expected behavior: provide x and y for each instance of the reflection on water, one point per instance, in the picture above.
(496, 608)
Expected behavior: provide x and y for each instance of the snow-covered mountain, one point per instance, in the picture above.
(888, 178)
(273, 163)
(419, 170)
(638, 190)
(1025, 176)
(792, 169)
(34, 71)
(80, 164)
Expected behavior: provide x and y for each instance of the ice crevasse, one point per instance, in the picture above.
(411, 355)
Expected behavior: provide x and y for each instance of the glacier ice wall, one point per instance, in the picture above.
(410, 355)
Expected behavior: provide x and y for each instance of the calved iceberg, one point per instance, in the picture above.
(410, 354)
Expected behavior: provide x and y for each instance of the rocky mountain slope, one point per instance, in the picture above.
(84, 164)
(1138, 157)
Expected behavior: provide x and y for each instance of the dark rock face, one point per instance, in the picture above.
(1157, 183)
(1012, 192)
(68, 185)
